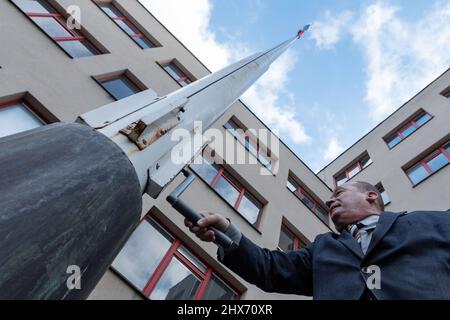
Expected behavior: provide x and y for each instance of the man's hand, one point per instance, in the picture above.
(209, 219)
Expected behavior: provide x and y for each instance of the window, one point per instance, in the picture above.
(162, 268)
(308, 200)
(231, 190)
(353, 169)
(176, 73)
(384, 195)
(430, 164)
(55, 26)
(446, 93)
(126, 25)
(289, 241)
(250, 144)
(119, 87)
(17, 116)
(407, 129)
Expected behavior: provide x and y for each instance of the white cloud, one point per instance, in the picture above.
(402, 57)
(189, 21)
(333, 149)
(328, 31)
(264, 99)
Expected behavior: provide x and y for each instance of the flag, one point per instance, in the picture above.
(302, 31)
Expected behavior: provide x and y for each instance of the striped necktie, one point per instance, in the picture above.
(353, 229)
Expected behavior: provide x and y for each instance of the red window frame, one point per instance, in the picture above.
(349, 168)
(298, 243)
(75, 36)
(240, 189)
(173, 253)
(177, 70)
(138, 33)
(300, 191)
(245, 136)
(424, 162)
(403, 127)
(28, 106)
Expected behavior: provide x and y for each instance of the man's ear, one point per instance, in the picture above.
(371, 196)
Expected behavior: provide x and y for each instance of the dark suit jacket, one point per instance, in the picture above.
(412, 251)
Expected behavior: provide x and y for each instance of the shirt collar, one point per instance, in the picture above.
(369, 221)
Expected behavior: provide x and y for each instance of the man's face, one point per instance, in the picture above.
(348, 205)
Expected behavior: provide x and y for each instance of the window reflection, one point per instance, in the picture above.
(120, 87)
(249, 208)
(217, 290)
(229, 193)
(177, 283)
(142, 253)
(438, 162)
(286, 241)
(417, 174)
(17, 118)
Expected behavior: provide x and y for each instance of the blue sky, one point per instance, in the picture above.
(360, 61)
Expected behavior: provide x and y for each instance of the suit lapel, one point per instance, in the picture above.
(386, 221)
(347, 240)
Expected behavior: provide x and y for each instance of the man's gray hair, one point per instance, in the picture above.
(366, 187)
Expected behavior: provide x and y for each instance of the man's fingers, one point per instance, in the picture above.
(208, 220)
(207, 236)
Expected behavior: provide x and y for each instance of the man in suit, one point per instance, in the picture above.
(377, 255)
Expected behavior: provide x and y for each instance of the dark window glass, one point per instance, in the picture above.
(126, 26)
(143, 42)
(322, 214)
(177, 74)
(217, 290)
(291, 184)
(365, 161)
(384, 194)
(341, 179)
(353, 170)
(142, 253)
(286, 241)
(120, 88)
(306, 200)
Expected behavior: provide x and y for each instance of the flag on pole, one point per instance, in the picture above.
(302, 31)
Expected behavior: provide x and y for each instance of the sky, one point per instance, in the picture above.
(359, 62)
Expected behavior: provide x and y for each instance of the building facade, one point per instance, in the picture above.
(406, 155)
(53, 72)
